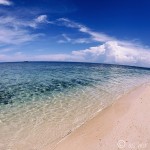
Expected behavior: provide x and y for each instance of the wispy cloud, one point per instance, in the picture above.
(5, 2)
(99, 37)
(16, 31)
(110, 52)
(42, 19)
(68, 39)
(19, 56)
(13, 36)
(15, 22)
(5, 50)
(109, 49)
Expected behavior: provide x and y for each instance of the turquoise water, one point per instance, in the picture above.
(41, 102)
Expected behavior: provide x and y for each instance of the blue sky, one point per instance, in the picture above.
(105, 31)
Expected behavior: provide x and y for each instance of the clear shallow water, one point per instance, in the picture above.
(42, 102)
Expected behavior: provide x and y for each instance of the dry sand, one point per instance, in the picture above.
(124, 125)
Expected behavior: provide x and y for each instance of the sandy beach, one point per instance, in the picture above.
(74, 75)
(123, 125)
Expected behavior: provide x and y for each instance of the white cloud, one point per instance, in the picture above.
(109, 49)
(67, 39)
(99, 37)
(5, 2)
(117, 52)
(112, 52)
(41, 19)
(16, 31)
(18, 56)
(81, 40)
(5, 50)
(16, 22)
(15, 36)
(58, 57)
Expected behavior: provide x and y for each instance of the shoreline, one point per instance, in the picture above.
(95, 133)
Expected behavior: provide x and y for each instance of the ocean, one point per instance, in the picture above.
(42, 102)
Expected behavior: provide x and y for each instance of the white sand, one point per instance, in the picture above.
(125, 125)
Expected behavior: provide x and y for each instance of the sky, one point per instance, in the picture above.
(101, 31)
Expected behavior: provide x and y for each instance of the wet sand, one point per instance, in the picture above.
(124, 125)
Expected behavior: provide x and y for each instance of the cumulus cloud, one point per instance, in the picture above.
(5, 2)
(116, 52)
(109, 49)
(111, 52)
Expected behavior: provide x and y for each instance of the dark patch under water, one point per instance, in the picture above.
(30, 89)
(23, 81)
